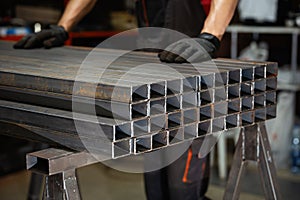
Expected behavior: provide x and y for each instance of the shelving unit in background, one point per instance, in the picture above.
(234, 30)
(292, 86)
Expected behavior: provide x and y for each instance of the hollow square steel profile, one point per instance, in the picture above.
(175, 119)
(142, 144)
(158, 89)
(207, 81)
(270, 98)
(190, 84)
(234, 91)
(235, 76)
(141, 127)
(190, 116)
(138, 110)
(123, 131)
(221, 94)
(232, 121)
(190, 131)
(247, 89)
(122, 148)
(248, 74)
(176, 136)
(234, 106)
(160, 140)
(271, 83)
(206, 97)
(189, 100)
(218, 124)
(260, 86)
(271, 112)
(174, 103)
(174, 87)
(158, 106)
(205, 112)
(146, 109)
(247, 118)
(260, 115)
(204, 127)
(247, 103)
(158, 123)
(221, 78)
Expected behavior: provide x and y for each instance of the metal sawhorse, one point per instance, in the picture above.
(59, 167)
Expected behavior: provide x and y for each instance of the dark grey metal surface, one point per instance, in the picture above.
(154, 108)
(253, 145)
(36, 90)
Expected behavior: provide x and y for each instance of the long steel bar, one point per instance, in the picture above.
(162, 105)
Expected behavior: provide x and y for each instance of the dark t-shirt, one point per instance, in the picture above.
(185, 16)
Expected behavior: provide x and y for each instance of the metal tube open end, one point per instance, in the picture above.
(204, 128)
(247, 103)
(158, 123)
(218, 124)
(140, 93)
(174, 103)
(142, 144)
(206, 97)
(160, 140)
(139, 110)
(235, 76)
(190, 131)
(175, 120)
(158, 90)
(141, 127)
(189, 100)
(221, 79)
(232, 121)
(158, 106)
(122, 148)
(190, 116)
(190, 84)
(123, 131)
(174, 87)
(247, 118)
(205, 113)
(247, 74)
(176, 136)
(207, 81)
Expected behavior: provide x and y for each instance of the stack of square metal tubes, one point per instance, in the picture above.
(139, 110)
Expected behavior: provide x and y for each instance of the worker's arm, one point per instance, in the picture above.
(220, 14)
(207, 43)
(56, 35)
(74, 12)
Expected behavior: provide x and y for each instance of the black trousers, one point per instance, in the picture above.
(185, 179)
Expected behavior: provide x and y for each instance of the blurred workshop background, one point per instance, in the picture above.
(260, 30)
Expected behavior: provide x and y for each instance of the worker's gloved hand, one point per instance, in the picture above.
(54, 36)
(191, 50)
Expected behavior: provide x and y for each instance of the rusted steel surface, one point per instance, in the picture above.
(150, 108)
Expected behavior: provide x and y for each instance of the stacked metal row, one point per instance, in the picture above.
(238, 94)
(138, 109)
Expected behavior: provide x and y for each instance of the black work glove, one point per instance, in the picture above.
(191, 50)
(54, 36)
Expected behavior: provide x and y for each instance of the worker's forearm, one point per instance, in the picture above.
(74, 12)
(221, 12)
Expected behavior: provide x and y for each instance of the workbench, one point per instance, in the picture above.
(44, 96)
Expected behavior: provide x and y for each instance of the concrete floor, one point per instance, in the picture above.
(100, 182)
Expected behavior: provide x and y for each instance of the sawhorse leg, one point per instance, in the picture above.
(59, 186)
(62, 186)
(253, 145)
(59, 169)
(35, 187)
